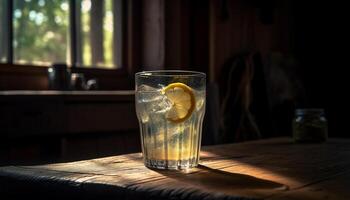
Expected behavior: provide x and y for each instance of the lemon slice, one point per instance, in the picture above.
(183, 102)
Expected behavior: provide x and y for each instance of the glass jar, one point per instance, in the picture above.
(310, 125)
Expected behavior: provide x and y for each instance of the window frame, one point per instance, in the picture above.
(129, 52)
(8, 33)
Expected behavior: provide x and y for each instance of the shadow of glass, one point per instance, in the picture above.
(219, 180)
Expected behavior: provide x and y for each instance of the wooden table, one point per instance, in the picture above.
(265, 169)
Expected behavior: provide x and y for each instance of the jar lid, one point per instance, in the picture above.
(309, 111)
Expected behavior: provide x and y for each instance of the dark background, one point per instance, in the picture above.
(303, 50)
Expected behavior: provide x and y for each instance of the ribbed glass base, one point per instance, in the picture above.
(171, 164)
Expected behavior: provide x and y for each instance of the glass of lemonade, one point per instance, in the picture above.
(170, 107)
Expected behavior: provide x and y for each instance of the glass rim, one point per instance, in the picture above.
(304, 111)
(170, 73)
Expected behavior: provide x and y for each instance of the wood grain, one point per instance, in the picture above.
(266, 169)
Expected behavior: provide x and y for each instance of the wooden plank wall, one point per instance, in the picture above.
(237, 26)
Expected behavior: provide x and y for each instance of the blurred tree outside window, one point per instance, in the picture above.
(96, 30)
(42, 32)
(40, 29)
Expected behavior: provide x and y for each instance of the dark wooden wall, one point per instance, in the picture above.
(321, 42)
(62, 126)
(239, 26)
(203, 35)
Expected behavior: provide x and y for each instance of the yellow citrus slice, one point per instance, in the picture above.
(183, 101)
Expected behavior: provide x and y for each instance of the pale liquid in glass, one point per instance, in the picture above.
(167, 144)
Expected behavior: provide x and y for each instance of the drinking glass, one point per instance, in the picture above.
(170, 107)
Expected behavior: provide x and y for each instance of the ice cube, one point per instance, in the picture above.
(163, 105)
(144, 87)
(153, 101)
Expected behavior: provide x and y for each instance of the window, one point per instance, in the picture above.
(40, 31)
(83, 33)
(98, 39)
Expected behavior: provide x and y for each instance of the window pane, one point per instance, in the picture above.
(40, 31)
(98, 36)
(108, 33)
(3, 31)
